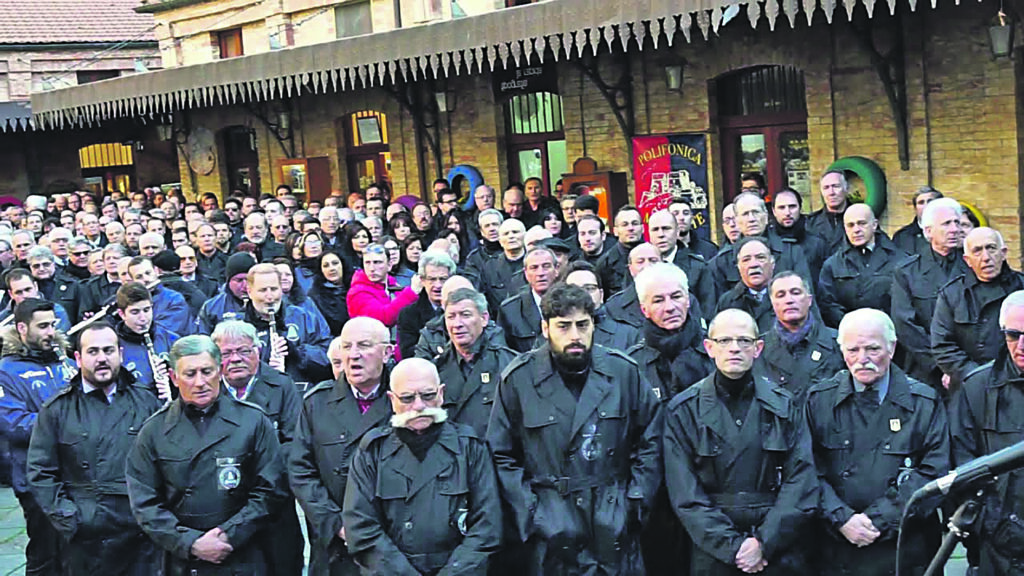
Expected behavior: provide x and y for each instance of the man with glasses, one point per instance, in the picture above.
(334, 417)
(330, 225)
(280, 228)
(54, 285)
(575, 434)
(249, 380)
(878, 436)
(985, 417)
(233, 208)
(59, 240)
(434, 270)
(965, 327)
(743, 482)
(427, 528)
(78, 259)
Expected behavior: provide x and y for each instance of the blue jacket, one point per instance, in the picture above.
(309, 307)
(304, 278)
(26, 382)
(223, 306)
(170, 310)
(307, 343)
(135, 356)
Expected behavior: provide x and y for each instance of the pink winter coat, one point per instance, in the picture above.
(371, 299)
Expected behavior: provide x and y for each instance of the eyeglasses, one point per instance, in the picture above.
(427, 397)
(35, 265)
(743, 341)
(244, 353)
(80, 253)
(1012, 335)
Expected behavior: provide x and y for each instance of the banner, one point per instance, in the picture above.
(672, 165)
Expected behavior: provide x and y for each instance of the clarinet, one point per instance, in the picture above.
(67, 369)
(273, 337)
(163, 386)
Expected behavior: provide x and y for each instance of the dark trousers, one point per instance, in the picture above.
(42, 554)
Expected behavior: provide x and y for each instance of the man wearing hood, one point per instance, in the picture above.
(334, 417)
(135, 310)
(575, 434)
(449, 519)
(229, 304)
(31, 371)
(80, 485)
(290, 340)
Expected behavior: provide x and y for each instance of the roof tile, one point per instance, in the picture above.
(67, 21)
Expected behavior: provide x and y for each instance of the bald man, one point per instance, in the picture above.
(861, 274)
(498, 275)
(451, 510)
(965, 327)
(335, 415)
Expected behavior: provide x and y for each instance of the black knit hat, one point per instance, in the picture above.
(239, 263)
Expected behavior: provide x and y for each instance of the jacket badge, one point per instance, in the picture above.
(485, 377)
(894, 424)
(816, 355)
(463, 514)
(228, 475)
(591, 447)
(292, 334)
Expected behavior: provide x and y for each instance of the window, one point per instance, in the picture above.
(353, 19)
(88, 76)
(230, 43)
(426, 10)
(535, 113)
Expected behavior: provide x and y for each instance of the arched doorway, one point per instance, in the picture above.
(242, 159)
(536, 141)
(762, 112)
(367, 154)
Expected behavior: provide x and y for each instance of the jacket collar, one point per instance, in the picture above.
(899, 388)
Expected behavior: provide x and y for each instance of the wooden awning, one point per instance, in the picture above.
(556, 29)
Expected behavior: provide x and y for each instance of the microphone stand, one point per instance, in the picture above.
(959, 528)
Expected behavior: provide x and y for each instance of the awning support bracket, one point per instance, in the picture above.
(618, 93)
(891, 69)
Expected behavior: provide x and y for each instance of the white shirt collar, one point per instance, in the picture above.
(87, 388)
(234, 391)
(359, 395)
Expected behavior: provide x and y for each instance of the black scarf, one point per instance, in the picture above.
(679, 359)
(77, 271)
(40, 356)
(419, 443)
(671, 342)
(796, 231)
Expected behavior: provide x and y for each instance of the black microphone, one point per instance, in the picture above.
(981, 469)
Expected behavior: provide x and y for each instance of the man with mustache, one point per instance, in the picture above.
(30, 373)
(861, 274)
(334, 417)
(520, 315)
(965, 328)
(422, 496)
(742, 480)
(799, 350)
(756, 266)
(878, 436)
(205, 477)
(297, 345)
(249, 380)
(575, 436)
(80, 485)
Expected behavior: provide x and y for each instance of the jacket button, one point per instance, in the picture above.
(551, 418)
(845, 474)
(887, 447)
(603, 414)
(341, 437)
(579, 501)
(85, 464)
(408, 525)
(846, 442)
(188, 492)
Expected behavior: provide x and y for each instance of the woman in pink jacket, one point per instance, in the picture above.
(375, 294)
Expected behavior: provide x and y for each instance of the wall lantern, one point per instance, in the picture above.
(1000, 37)
(674, 77)
(164, 132)
(446, 100)
(284, 122)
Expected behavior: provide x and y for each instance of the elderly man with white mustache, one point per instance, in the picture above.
(422, 496)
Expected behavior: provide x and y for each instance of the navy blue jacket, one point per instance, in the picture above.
(170, 310)
(135, 356)
(223, 306)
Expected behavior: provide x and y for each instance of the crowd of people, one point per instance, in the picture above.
(502, 385)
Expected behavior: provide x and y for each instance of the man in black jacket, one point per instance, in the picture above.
(256, 233)
(575, 435)
(488, 222)
(965, 328)
(211, 262)
(447, 520)
(756, 266)
(911, 238)
(334, 417)
(80, 485)
(608, 332)
(827, 222)
(664, 232)
(470, 365)
(520, 315)
(859, 276)
(101, 290)
(799, 350)
(249, 380)
(916, 284)
(987, 416)
(498, 274)
(204, 477)
(625, 306)
(189, 271)
(791, 226)
(743, 482)
(878, 437)
(682, 209)
(613, 266)
(434, 269)
(53, 284)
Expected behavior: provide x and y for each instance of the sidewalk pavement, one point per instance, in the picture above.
(13, 539)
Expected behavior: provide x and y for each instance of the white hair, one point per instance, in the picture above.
(867, 317)
(928, 216)
(648, 276)
(1014, 300)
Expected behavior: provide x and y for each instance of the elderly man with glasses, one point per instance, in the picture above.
(54, 284)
